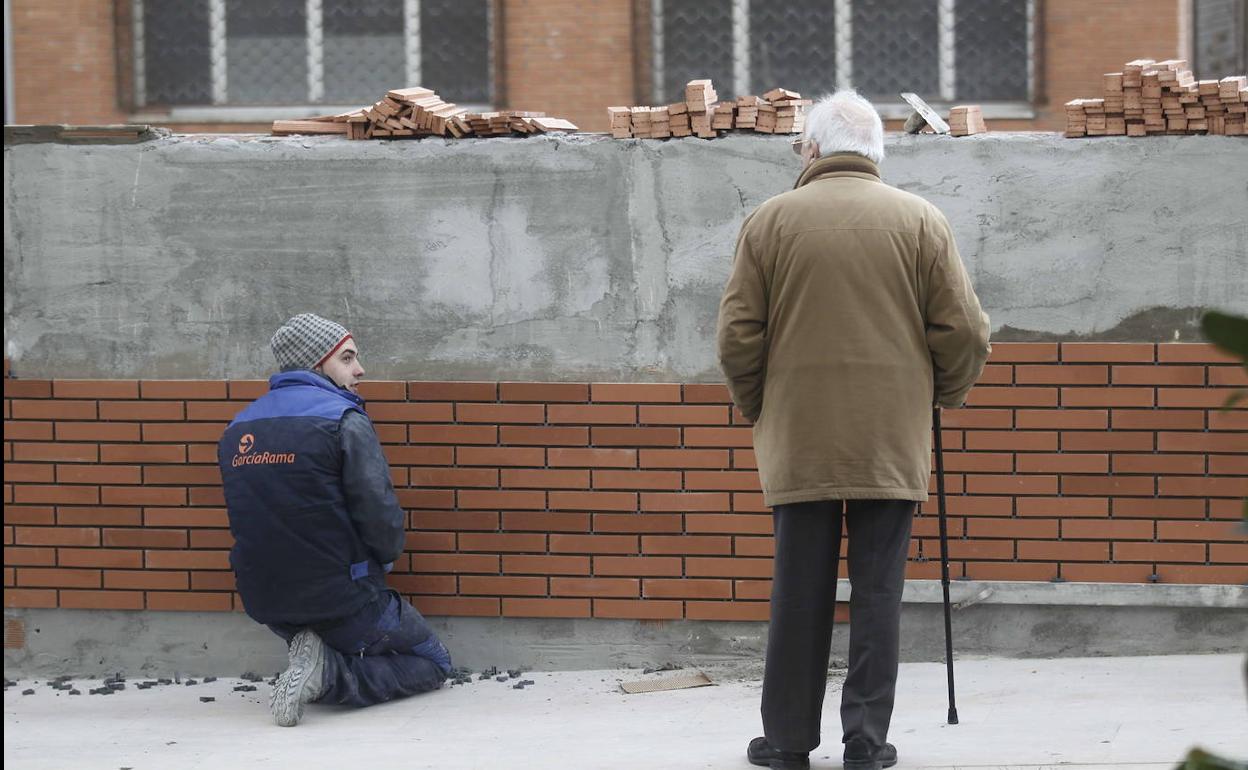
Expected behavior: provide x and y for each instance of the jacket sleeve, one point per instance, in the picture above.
(742, 328)
(957, 328)
(371, 502)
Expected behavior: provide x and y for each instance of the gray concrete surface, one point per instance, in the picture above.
(1110, 713)
(557, 258)
(1000, 619)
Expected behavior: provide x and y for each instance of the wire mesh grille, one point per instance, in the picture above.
(896, 48)
(697, 43)
(991, 43)
(1221, 38)
(792, 45)
(266, 51)
(177, 58)
(455, 49)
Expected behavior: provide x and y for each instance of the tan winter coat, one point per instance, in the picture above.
(848, 312)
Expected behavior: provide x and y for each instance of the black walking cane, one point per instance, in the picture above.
(944, 560)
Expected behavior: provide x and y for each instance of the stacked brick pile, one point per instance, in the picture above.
(779, 111)
(967, 120)
(416, 112)
(1150, 98)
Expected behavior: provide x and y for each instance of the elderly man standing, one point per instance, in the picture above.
(847, 314)
(316, 526)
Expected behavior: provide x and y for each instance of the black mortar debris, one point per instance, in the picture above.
(75, 692)
(518, 686)
(665, 667)
(514, 673)
(164, 681)
(500, 679)
(206, 699)
(245, 688)
(209, 679)
(191, 682)
(28, 692)
(251, 677)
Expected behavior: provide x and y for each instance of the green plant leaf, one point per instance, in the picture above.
(1228, 332)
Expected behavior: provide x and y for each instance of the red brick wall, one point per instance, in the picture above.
(565, 57)
(1089, 462)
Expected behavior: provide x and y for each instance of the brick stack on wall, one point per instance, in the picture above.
(1079, 461)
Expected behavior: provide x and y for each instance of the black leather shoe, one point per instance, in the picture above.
(859, 755)
(762, 754)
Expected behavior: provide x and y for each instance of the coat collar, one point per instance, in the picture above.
(308, 377)
(840, 164)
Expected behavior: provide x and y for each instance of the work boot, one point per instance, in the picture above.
(860, 755)
(302, 682)
(761, 753)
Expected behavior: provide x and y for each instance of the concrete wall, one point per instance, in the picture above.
(562, 258)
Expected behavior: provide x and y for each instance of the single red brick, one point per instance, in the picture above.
(1022, 352)
(980, 462)
(1203, 531)
(383, 390)
(27, 431)
(1068, 374)
(749, 502)
(97, 431)
(1063, 551)
(980, 418)
(997, 374)
(719, 437)
(1160, 552)
(1159, 508)
(637, 565)
(456, 562)
(142, 410)
(502, 542)
(1192, 353)
(1196, 573)
(458, 606)
(1235, 376)
(31, 473)
(1155, 464)
(53, 409)
(1022, 441)
(67, 495)
(27, 388)
(703, 393)
(141, 580)
(172, 390)
(417, 412)
(1011, 396)
(544, 436)
(186, 517)
(1111, 396)
(732, 611)
(685, 501)
(545, 521)
(455, 520)
(31, 557)
(247, 390)
(1029, 528)
(754, 546)
(635, 437)
(1108, 352)
(28, 598)
(545, 479)
(687, 589)
(636, 392)
(34, 577)
(630, 480)
(1158, 419)
(594, 544)
(454, 477)
(1107, 529)
(111, 558)
(488, 499)
(426, 498)
(70, 453)
(31, 514)
(500, 413)
(722, 480)
(1011, 485)
(1115, 486)
(591, 458)
(1228, 553)
(1107, 441)
(1107, 573)
(497, 456)
(1062, 419)
(752, 589)
(612, 587)
(138, 453)
(592, 414)
(638, 609)
(144, 538)
(1236, 465)
(686, 544)
(546, 565)
(1202, 442)
(684, 415)
(189, 601)
(95, 389)
(101, 600)
(187, 559)
(452, 434)
(502, 586)
(1159, 375)
(1010, 570)
(211, 496)
(1202, 486)
(544, 392)
(143, 495)
(546, 608)
(452, 391)
(637, 522)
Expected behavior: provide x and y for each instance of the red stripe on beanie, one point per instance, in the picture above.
(332, 350)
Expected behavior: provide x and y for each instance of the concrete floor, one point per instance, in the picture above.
(1082, 713)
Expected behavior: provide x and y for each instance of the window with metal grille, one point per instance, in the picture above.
(1220, 38)
(944, 50)
(236, 53)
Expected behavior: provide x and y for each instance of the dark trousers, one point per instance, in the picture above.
(808, 546)
(384, 651)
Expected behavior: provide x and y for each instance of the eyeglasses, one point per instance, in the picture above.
(798, 145)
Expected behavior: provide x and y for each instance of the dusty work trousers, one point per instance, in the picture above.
(808, 545)
(384, 651)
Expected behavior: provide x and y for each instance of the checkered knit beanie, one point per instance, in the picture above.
(306, 341)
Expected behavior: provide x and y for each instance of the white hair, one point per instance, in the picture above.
(845, 122)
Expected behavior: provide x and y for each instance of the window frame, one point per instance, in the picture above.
(132, 66)
(843, 14)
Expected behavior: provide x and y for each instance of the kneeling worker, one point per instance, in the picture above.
(316, 524)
